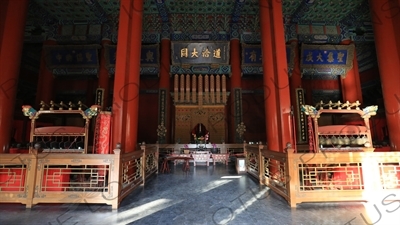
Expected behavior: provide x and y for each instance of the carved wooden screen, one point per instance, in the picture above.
(200, 99)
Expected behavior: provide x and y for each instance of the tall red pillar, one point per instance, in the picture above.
(281, 73)
(127, 75)
(276, 78)
(3, 14)
(165, 63)
(388, 55)
(351, 84)
(132, 113)
(270, 93)
(12, 25)
(236, 76)
(46, 78)
(295, 82)
(104, 76)
(165, 86)
(236, 86)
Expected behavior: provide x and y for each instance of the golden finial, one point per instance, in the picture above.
(71, 105)
(51, 105)
(347, 105)
(357, 104)
(42, 105)
(330, 104)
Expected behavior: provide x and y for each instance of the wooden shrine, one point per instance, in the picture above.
(198, 100)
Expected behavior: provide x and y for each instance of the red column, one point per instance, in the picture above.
(388, 54)
(165, 63)
(12, 24)
(104, 76)
(132, 112)
(281, 73)
(121, 73)
(236, 83)
(276, 81)
(396, 15)
(3, 14)
(236, 76)
(270, 93)
(295, 82)
(46, 78)
(165, 83)
(351, 85)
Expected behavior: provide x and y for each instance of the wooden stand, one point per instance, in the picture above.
(341, 137)
(60, 139)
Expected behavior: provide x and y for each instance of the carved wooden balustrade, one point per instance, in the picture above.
(253, 163)
(74, 178)
(326, 177)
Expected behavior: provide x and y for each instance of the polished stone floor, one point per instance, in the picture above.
(205, 195)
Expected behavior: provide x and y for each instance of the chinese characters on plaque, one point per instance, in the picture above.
(200, 53)
(327, 55)
(149, 55)
(162, 104)
(99, 96)
(251, 55)
(70, 56)
(301, 117)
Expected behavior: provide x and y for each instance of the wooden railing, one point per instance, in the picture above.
(151, 156)
(326, 177)
(74, 178)
(253, 163)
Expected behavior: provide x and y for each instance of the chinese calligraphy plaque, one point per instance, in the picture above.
(200, 53)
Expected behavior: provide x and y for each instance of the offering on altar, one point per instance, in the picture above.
(200, 134)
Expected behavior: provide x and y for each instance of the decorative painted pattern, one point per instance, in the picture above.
(202, 69)
(99, 12)
(326, 73)
(327, 10)
(200, 6)
(302, 8)
(318, 75)
(150, 38)
(249, 70)
(151, 23)
(318, 39)
(253, 38)
(209, 36)
(81, 72)
(220, 20)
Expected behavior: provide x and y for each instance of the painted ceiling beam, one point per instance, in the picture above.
(162, 10)
(352, 27)
(237, 10)
(351, 18)
(97, 9)
(46, 17)
(166, 28)
(301, 10)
